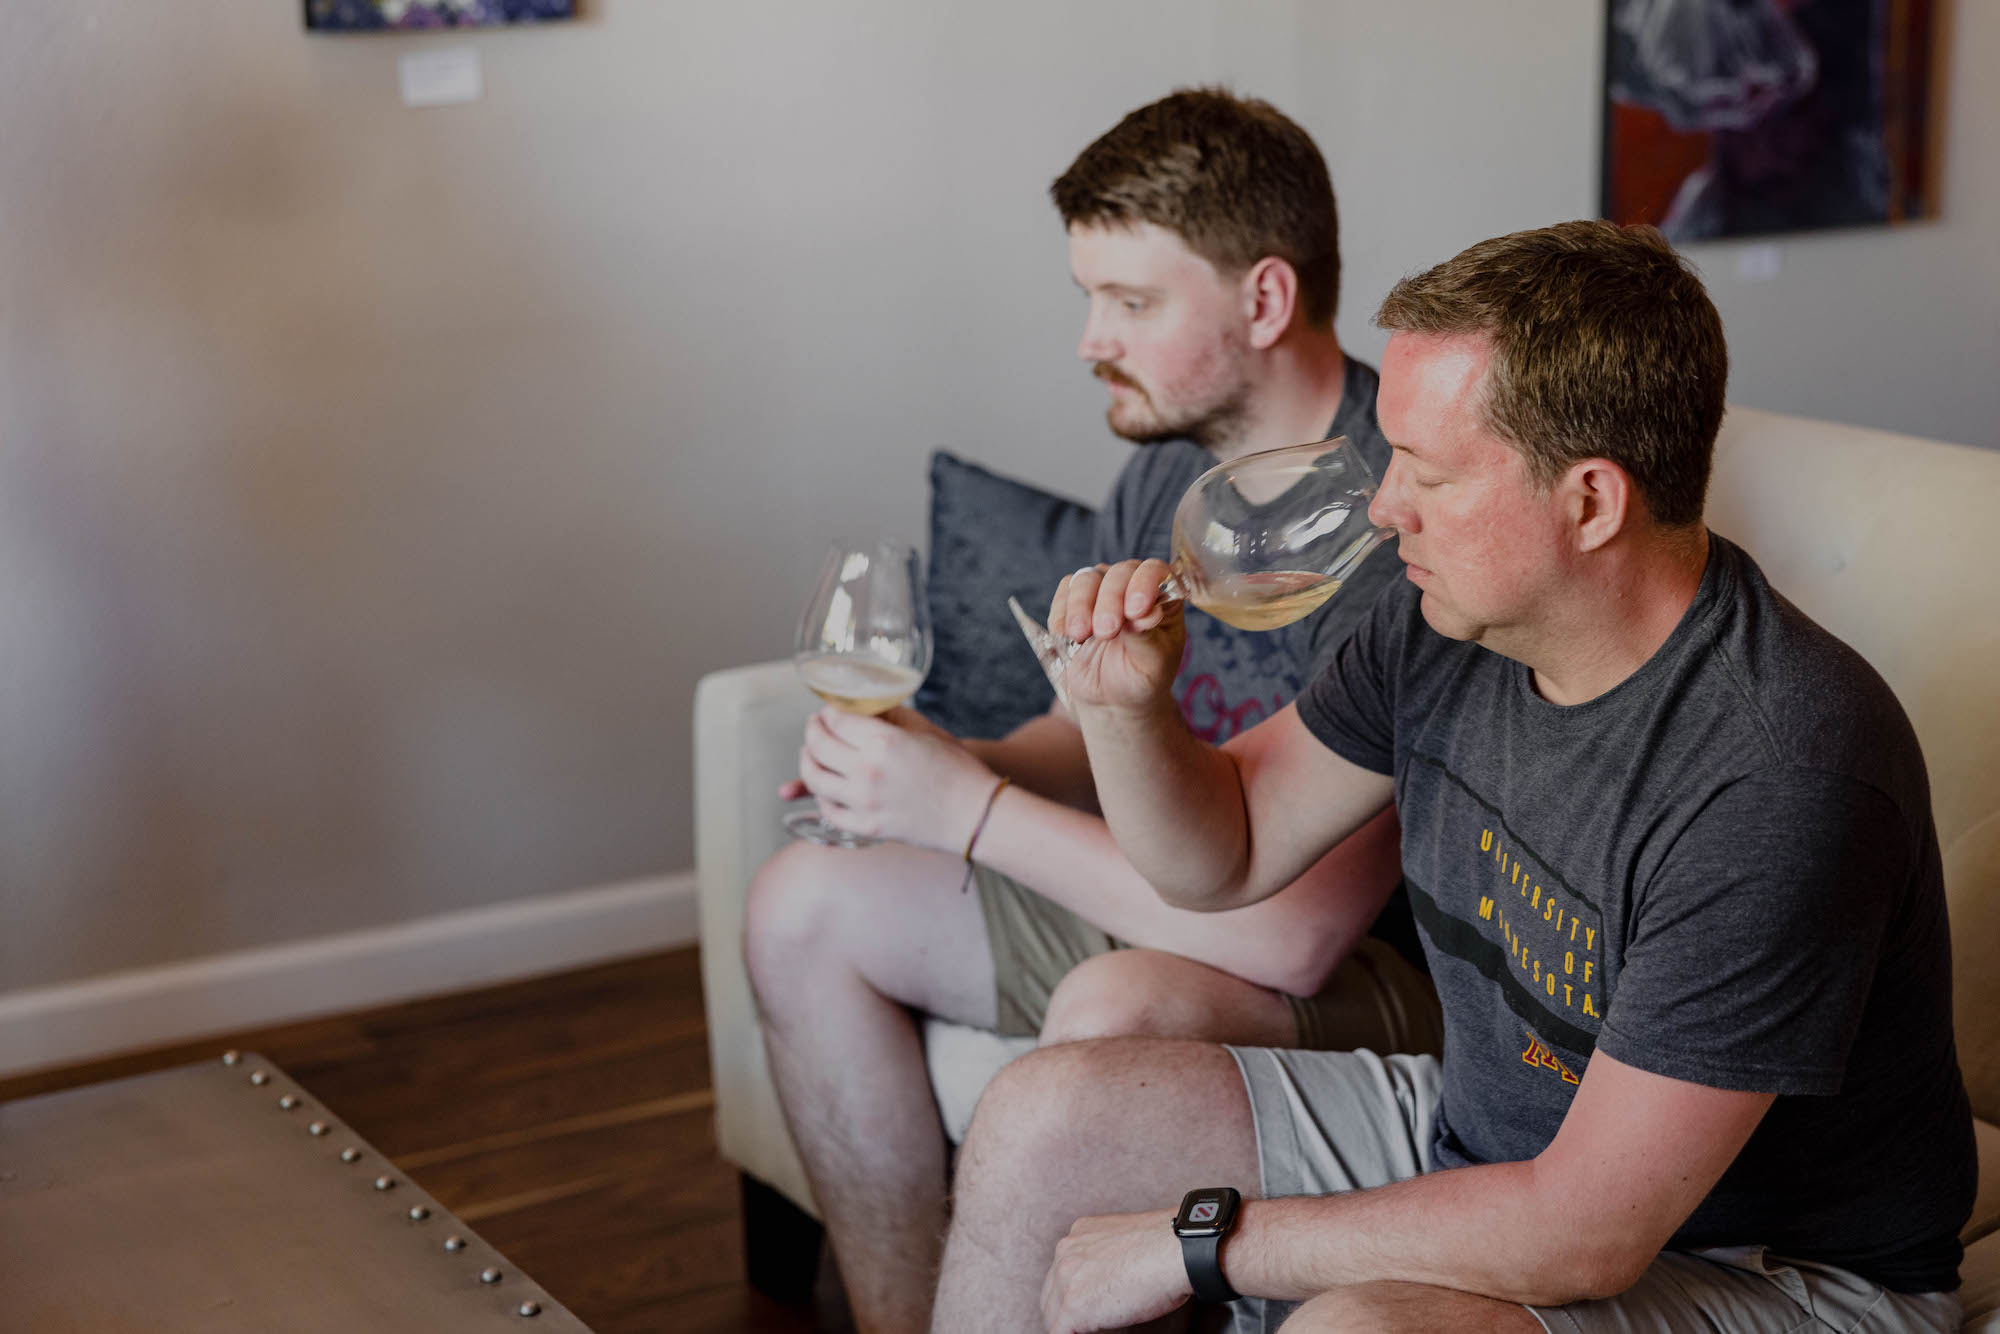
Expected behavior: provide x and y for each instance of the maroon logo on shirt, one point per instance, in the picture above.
(1213, 718)
(1539, 1054)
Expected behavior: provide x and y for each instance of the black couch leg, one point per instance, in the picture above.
(781, 1243)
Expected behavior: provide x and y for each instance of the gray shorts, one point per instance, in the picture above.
(1375, 998)
(1383, 1110)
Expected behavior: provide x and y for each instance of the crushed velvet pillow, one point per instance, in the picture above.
(992, 537)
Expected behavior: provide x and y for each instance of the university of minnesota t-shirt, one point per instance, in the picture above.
(1723, 871)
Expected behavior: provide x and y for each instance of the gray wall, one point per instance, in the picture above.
(376, 483)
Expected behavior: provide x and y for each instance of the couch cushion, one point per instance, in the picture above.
(991, 538)
(962, 1063)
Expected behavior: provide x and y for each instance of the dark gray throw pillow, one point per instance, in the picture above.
(992, 537)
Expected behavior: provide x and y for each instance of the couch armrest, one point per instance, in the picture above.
(747, 725)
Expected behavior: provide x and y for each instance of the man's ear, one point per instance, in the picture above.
(1600, 500)
(1270, 298)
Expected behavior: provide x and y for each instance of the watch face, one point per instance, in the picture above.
(1206, 1212)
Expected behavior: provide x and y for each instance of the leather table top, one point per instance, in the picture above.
(192, 1200)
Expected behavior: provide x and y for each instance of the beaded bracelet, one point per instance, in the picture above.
(977, 830)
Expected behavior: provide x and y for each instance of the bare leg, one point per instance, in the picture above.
(1390, 1308)
(840, 944)
(1149, 993)
(1106, 1127)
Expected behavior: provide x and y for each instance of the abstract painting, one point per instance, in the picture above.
(377, 15)
(1753, 117)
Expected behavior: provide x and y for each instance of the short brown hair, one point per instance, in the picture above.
(1605, 345)
(1233, 177)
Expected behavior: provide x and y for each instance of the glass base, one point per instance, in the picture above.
(806, 825)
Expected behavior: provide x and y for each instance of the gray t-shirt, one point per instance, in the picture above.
(1233, 679)
(1723, 871)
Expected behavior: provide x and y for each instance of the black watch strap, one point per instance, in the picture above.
(1205, 1217)
(1203, 1258)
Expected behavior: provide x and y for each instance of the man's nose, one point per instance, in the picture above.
(1387, 509)
(1097, 344)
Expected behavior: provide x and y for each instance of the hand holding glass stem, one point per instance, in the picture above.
(1258, 542)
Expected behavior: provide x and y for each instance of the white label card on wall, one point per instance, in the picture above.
(441, 78)
(1757, 263)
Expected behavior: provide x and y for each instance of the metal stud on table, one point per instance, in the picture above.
(316, 1128)
(385, 1183)
(454, 1243)
(231, 1057)
(530, 1308)
(350, 1155)
(418, 1213)
(259, 1078)
(489, 1276)
(288, 1102)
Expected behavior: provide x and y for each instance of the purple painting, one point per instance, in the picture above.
(402, 15)
(1749, 117)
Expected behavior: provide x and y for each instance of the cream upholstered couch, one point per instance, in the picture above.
(1889, 541)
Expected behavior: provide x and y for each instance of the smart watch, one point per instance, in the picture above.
(1205, 1218)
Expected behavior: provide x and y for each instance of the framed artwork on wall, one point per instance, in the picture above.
(1752, 117)
(405, 15)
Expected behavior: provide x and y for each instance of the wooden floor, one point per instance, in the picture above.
(568, 1119)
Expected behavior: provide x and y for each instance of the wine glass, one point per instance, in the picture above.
(863, 646)
(1258, 542)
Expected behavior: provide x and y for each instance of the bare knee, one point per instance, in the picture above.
(1096, 1128)
(1110, 995)
(1362, 1308)
(786, 912)
(1031, 1119)
(1150, 993)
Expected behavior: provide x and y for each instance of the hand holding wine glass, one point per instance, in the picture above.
(895, 776)
(1128, 634)
(863, 645)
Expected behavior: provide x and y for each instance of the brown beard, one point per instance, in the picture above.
(1207, 431)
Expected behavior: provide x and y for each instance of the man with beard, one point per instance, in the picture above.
(1202, 233)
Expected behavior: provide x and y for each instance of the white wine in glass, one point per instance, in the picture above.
(863, 645)
(1258, 542)
(1265, 601)
(858, 685)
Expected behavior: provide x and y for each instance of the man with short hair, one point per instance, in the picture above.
(1203, 235)
(1668, 843)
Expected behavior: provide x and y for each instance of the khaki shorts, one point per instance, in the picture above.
(1384, 1111)
(1375, 999)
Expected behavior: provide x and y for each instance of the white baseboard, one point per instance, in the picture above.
(149, 1007)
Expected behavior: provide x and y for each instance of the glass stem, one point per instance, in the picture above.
(1054, 649)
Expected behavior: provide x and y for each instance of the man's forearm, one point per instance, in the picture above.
(1044, 755)
(1288, 942)
(1174, 805)
(1491, 1230)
